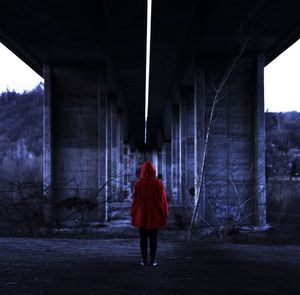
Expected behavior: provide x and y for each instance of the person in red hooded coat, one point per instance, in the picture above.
(149, 210)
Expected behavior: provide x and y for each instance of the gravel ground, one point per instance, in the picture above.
(109, 266)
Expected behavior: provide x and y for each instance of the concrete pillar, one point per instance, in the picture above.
(182, 149)
(175, 165)
(114, 157)
(168, 164)
(199, 128)
(134, 165)
(234, 172)
(127, 172)
(120, 153)
(159, 171)
(154, 159)
(164, 165)
(111, 122)
(102, 130)
(108, 143)
(48, 208)
(188, 154)
(260, 178)
(78, 137)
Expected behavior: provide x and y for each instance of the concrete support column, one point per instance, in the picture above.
(182, 149)
(175, 166)
(189, 151)
(260, 178)
(48, 208)
(154, 159)
(102, 131)
(164, 165)
(108, 124)
(114, 157)
(75, 159)
(120, 153)
(169, 174)
(167, 151)
(159, 163)
(134, 165)
(111, 121)
(199, 129)
(127, 172)
(234, 171)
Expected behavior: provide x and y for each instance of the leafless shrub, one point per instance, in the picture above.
(24, 200)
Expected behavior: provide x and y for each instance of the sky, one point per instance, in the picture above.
(282, 81)
(15, 74)
(282, 78)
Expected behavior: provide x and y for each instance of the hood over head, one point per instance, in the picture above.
(147, 170)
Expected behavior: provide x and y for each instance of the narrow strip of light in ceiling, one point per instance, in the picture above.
(149, 8)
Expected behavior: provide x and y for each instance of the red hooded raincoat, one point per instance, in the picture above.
(149, 205)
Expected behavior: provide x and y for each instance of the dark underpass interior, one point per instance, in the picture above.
(206, 139)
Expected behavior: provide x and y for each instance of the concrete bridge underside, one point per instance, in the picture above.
(92, 57)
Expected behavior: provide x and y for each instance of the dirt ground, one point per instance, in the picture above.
(109, 266)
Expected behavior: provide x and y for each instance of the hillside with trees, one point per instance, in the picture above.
(283, 144)
(21, 119)
(21, 135)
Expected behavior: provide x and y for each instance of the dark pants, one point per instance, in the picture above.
(152, 235)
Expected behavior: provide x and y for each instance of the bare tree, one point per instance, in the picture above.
(217, 97)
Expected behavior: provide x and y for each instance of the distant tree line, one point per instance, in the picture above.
(283, 144)
(282, 129)
(21, 137)
(21, 123)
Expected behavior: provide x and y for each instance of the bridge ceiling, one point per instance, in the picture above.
(114, 32)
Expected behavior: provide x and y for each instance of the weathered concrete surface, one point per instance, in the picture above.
(83, 141)
(70, 266)
(234, 177)
(260, 164)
